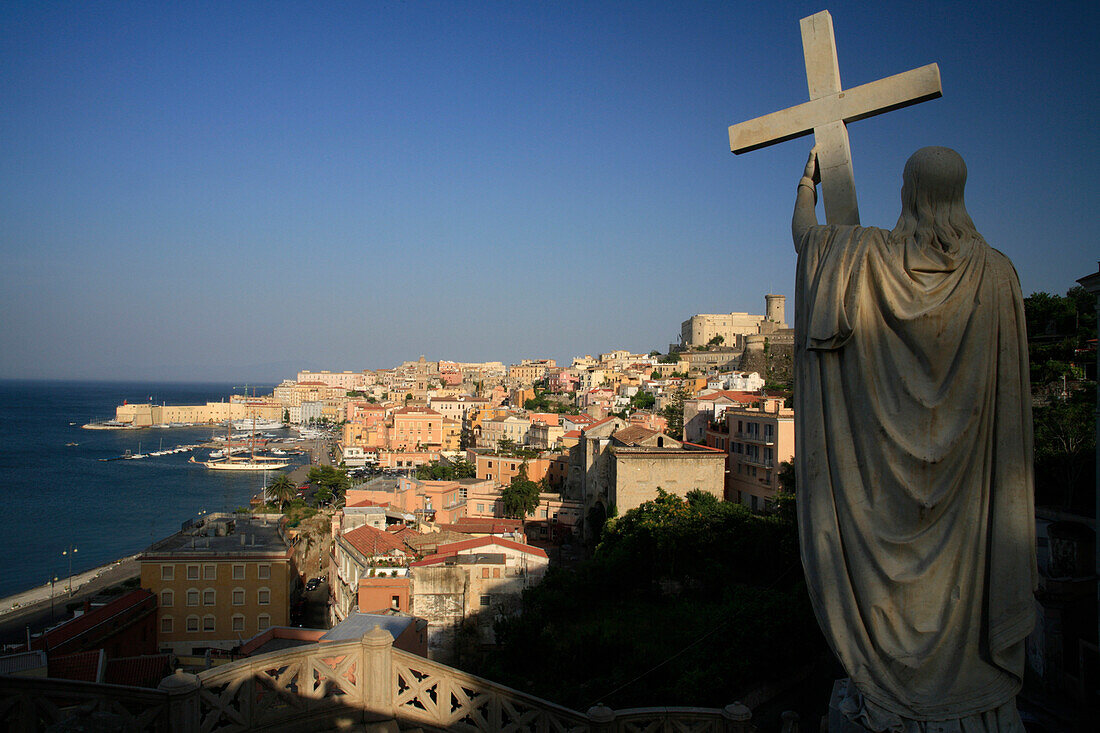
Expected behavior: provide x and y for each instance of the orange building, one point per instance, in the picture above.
(756, 440)
(383, 594)
(219, 582)
(416, 428)
(502, 468)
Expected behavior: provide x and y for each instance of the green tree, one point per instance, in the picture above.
(665, 577)
(282, 489)
(327, 477)
(1065, 448)
(642, 400)
(438, 471)
(521, 496)
(674, 413)
(716, 341)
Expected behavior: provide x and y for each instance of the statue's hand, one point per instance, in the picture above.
(812, 171)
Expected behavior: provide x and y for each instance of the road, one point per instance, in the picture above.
(37, 614)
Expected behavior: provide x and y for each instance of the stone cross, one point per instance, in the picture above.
(828, 112)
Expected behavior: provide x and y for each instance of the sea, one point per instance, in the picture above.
(57, 495)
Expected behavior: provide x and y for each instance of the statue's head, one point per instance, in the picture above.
(932, 207)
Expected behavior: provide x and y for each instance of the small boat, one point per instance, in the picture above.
(70, 445)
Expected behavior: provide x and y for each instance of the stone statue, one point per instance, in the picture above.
(915, 495)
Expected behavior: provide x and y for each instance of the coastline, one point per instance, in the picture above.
(34, 597)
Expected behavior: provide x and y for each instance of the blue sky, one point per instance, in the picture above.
(237, 190)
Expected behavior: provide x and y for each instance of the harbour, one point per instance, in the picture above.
(85, 496)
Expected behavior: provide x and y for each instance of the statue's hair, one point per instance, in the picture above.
(933, 212)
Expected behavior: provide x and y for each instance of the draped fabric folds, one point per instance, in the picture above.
(914, 445)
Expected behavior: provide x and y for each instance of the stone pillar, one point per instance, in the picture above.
(602, 717)
(377, 674)
(183, 701)
(738, 718)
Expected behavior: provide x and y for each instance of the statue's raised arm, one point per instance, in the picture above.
(805, 202)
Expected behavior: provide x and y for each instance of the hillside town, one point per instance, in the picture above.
(465, 481)
(459, 484)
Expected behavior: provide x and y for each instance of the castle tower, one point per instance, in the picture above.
(774, 309)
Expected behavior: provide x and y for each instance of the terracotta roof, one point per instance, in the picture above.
(404, 531)
(742, 397)
(371, 542)
(416, 410)
(579, 419)
(82, 666)
(491, 525)
(446, 551)
(634, 434)
(572, 434)
(144, 671)
(86, 621)
(435, 539)
(596, 424)
(368, 502)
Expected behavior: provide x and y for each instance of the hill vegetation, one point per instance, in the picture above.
(685, 602)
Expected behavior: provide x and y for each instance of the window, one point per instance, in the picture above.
(208, 623)
(480, 508)
(496, 572)
(238, 623)
(238, 572)
(264, 571)
(542, 513)
(192, 596)
(192, 623)
(263, 596)
(209, 572)
(490, 464)
(167, 572)
(166, 598)
(263, 621)
(485, 600)
(208, 597)
(485, 572)
(192, 572)
(166, 625)
(395, 602)
(238, 596)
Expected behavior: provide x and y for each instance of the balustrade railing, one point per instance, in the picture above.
(35, 703)
(336, 685)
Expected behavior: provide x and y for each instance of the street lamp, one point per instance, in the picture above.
(53, 579)
(70, 551)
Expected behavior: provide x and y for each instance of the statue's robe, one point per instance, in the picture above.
(915, 494)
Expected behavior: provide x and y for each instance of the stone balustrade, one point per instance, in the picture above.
(333, 686)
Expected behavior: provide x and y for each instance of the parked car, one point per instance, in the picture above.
(313, 584)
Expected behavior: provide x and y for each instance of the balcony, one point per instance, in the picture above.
(765, 462)
(765, 439)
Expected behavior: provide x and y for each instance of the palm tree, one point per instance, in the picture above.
(282, 489)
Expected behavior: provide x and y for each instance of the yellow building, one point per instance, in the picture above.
(219, 583)
(238, 408)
